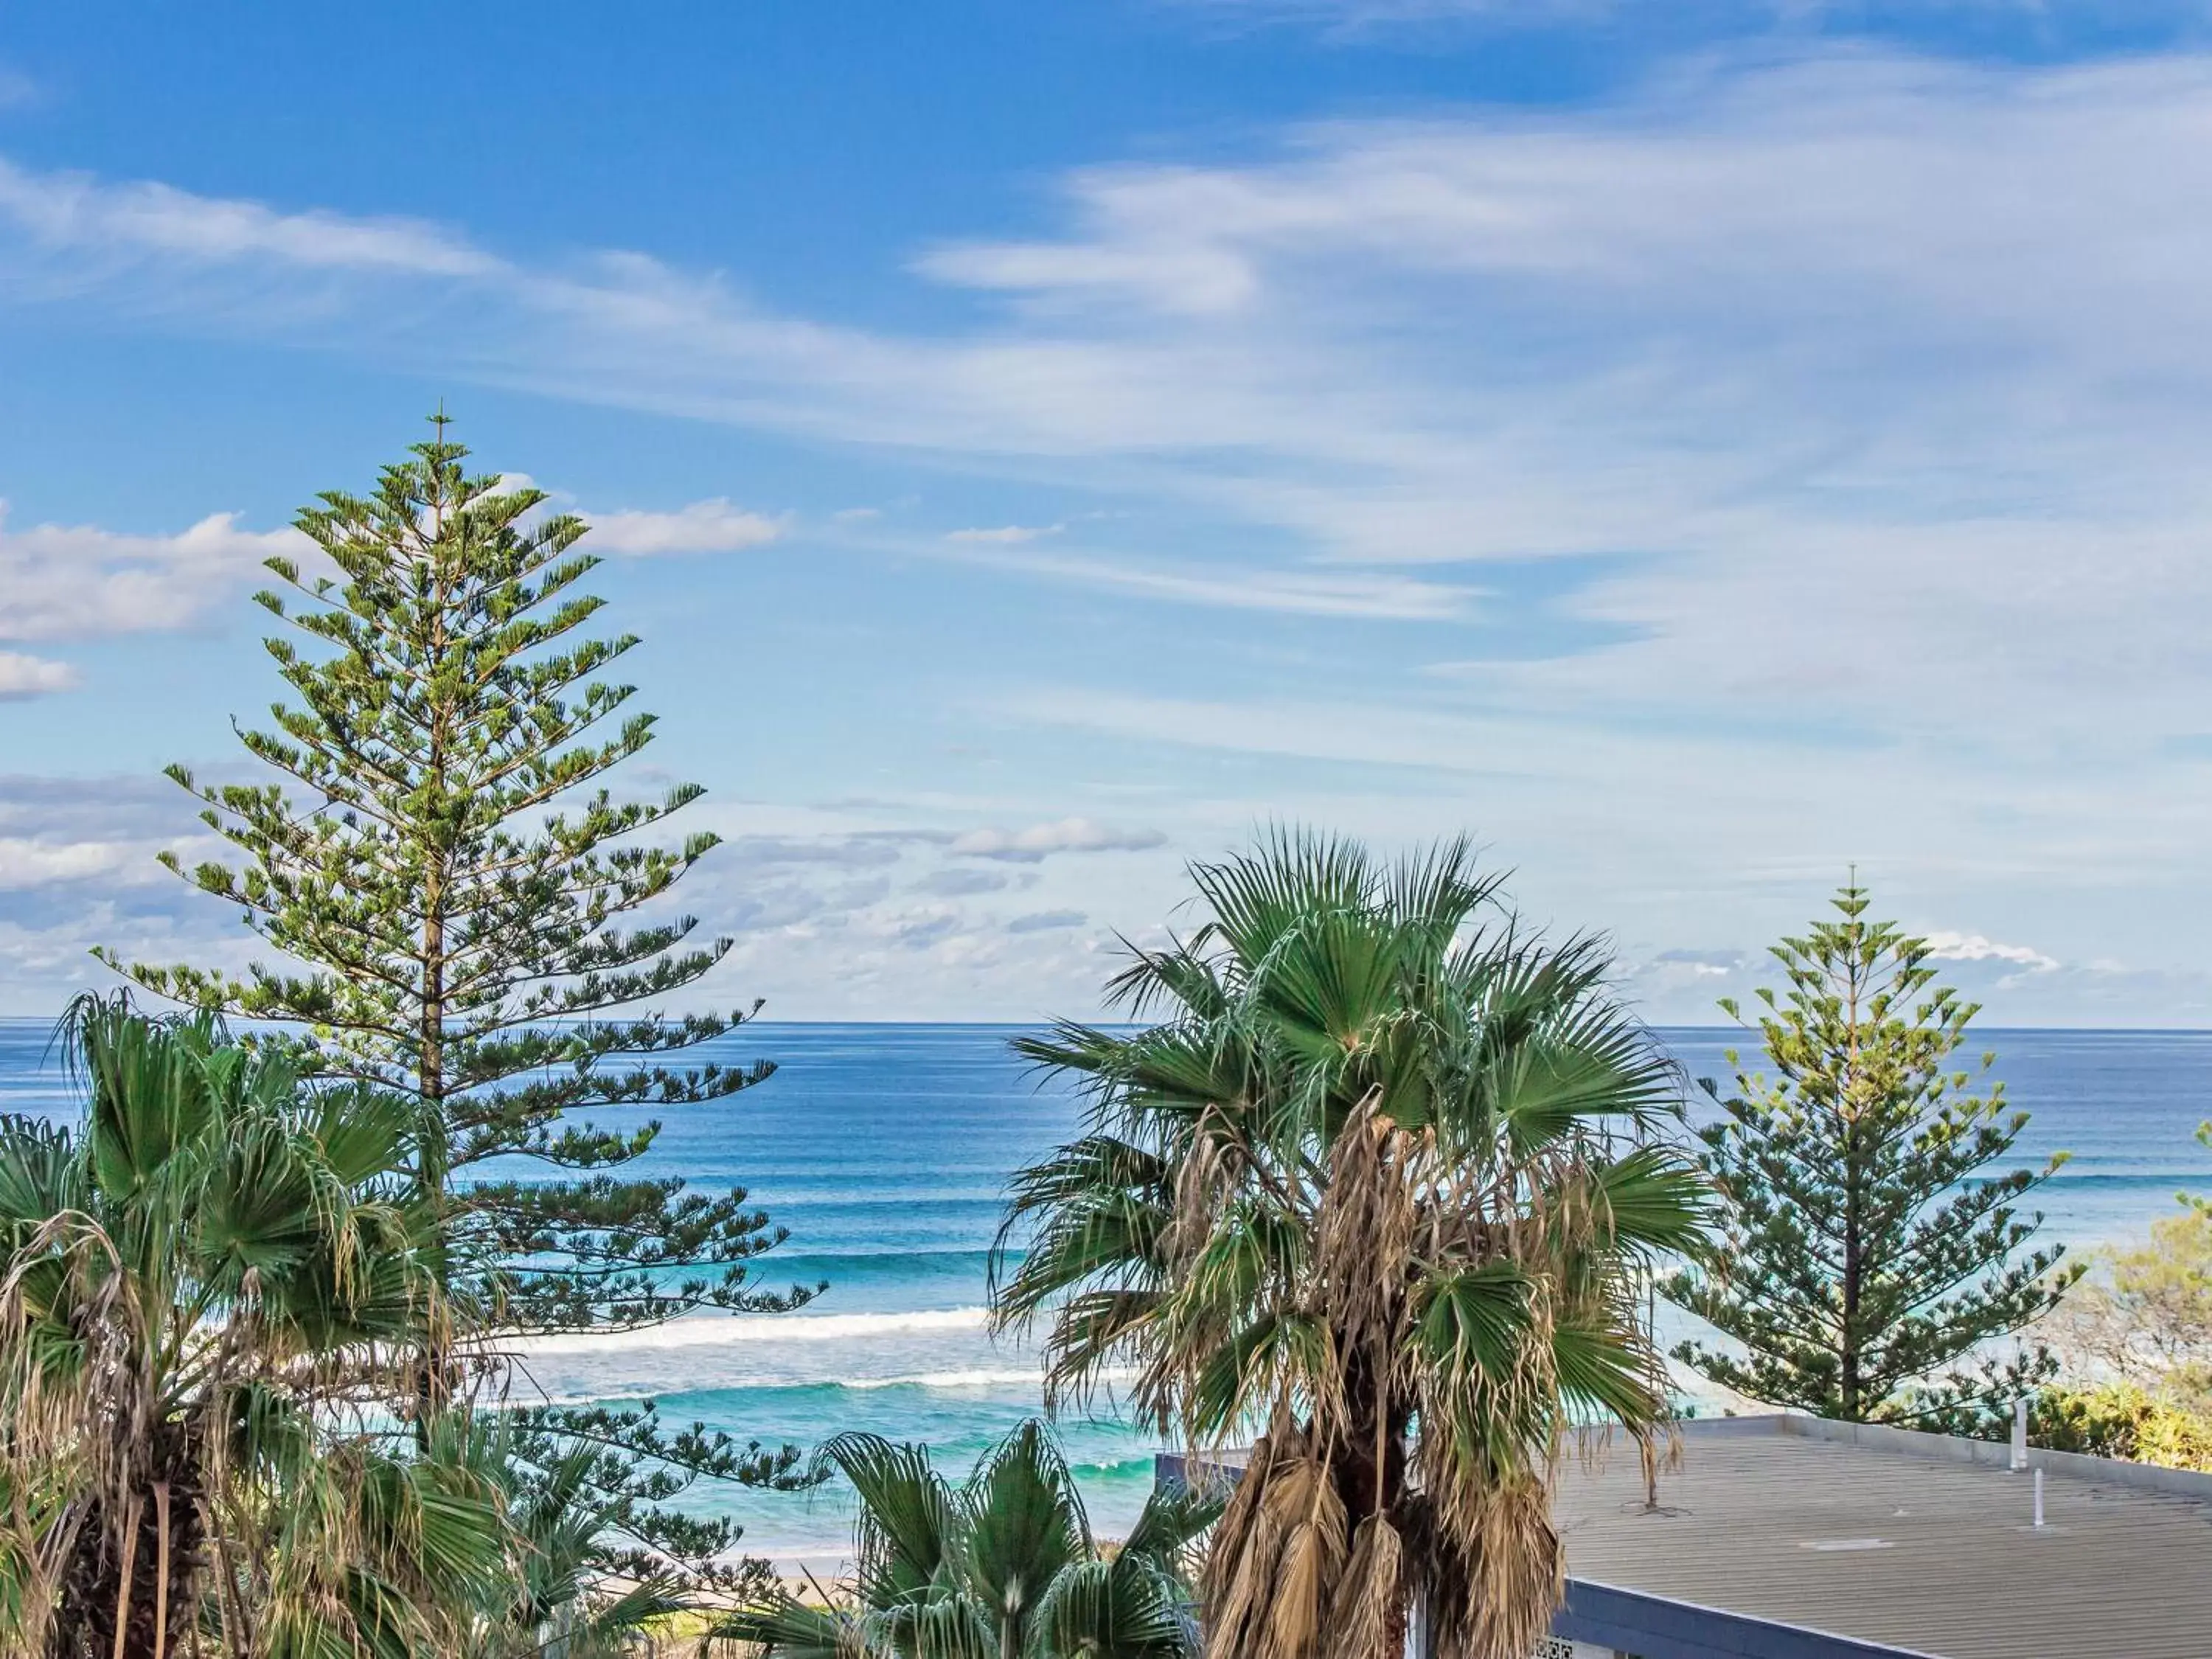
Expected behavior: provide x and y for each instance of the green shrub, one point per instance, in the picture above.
(2124, 1420)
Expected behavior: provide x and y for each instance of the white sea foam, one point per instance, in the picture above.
(955, 1381)
(975, 1379)
(721, 1330)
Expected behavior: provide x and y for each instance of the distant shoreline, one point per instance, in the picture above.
(1974, 1032)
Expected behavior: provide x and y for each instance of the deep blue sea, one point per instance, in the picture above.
(885, 1149)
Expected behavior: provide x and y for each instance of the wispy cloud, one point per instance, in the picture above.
(1376, 595)
(1764, 325)
(1043, 921)
(1041, 841)
(64, 212)
(712, 526)
(17, 90)
(1845, 506)
(1359, 19)
(1006, 535)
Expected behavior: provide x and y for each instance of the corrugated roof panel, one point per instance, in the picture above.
(1914, 1551)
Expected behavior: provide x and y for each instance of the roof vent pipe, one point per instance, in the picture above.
(2038, 1499)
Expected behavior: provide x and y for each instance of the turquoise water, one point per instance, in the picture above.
(884, 1148)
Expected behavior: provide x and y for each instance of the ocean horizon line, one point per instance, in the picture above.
(1048, 1020)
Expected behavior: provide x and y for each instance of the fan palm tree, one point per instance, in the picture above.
(1003, 1567)
(563, 1601)
(1380, 1185)
(198, 1286)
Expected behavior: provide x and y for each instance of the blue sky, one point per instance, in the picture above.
(1692, 448)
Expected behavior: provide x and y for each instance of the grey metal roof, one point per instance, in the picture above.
(1907, 1541)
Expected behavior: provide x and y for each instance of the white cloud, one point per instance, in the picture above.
(22, 676)
(28, 863)
(1360, 17)
(1380, 596)
(1041, 841)
(76, 581)
(1006, 535)
(81, 582)
(1857, 400)
(711, 526)
(1761, 335)
(1947, 946)
(66, 210)
(1043, 921)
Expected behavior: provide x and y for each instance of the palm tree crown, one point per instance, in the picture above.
(1003, 1567)
(195, 1288)
(1378, 1186)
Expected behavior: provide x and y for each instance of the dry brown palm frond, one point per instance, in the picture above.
(1277, 1554)
(1368, 1222)
(1236, 1587)
(1302, 1577)
(85, 1428)
(1506, 1576)
(1368, 1616)
(1206, 1180)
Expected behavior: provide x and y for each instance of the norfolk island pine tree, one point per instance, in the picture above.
(1872, 1252)
(449, 887)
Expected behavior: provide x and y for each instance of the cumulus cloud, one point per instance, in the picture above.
(843, 850)
(1700, 964)
(1041, 841)
(711, 526)
(23, 676)
(55, 831)
(77, 869)
(82, 581)
(25, 863)
(1947, 946)
(76, 581)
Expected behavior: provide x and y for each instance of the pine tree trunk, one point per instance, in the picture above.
(1854, 1185)
(430, 1074)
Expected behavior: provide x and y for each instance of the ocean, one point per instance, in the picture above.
(885, 1149)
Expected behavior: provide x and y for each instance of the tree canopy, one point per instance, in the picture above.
(467, 915)
(1873, 1244)
(1381, 1183)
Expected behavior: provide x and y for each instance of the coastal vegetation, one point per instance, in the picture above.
(201, 1285)
(448, 883)
(1003, 1566)
(2135, 1339)
(1383, 1181)
(1873, 1251)
(1375, 1192)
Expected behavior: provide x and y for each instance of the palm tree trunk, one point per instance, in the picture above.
(137, 1601)
(1371, 1468)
